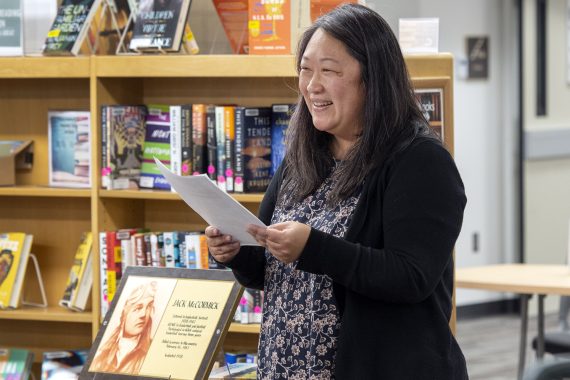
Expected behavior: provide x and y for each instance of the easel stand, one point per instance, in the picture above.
(43, 302)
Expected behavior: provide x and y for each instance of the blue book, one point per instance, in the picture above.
(280, 117)
(257, 149)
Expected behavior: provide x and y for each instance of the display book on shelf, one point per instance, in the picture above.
(121, 80)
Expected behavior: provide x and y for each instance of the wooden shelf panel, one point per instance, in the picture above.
(252, 328)
(49, 314)
(166, 195)
(242, 66)
(45, 67)
(44, 191)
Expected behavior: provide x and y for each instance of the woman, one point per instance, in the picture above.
(363, 216)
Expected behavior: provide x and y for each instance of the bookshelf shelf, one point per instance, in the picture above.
(44, 67)
(199, 66)
(44, 191)
(51, 313)
(165, 195)
(57, 217)
(252, 328)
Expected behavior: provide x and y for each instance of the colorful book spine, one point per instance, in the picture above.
(211, 143)
(199, 139)
(220, 148)
(157, 144)
(103, 279)
(239, 141)
(176, 139)
(229, 146)
(186, 140)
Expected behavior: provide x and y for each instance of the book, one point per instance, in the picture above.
(70, 27)
(234, 371)
(234, 15)
(229, 147)
(280, 117)
(220, 148)
(38, 17)
(125, 135)
(239, 141)
(160, 25)
(257, 149)
(11, 28)
(80, 278)
(103, 279)
(186, 142)
(15, 363)
(60, 365)
(269, 24)
(211, 143)
(321, 7)
(199, 135)
(69, 136)
(14, 253)
(431, 104)
(156, 144)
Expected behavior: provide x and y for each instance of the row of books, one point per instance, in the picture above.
(239, 148)
(266, 27)
(15, 363)
(137, 246)
(250, 309)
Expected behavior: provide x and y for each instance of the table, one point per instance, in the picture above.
(523, 279)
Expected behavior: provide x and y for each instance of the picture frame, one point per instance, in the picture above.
(178, 317)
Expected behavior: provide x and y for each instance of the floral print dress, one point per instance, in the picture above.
(301, 321)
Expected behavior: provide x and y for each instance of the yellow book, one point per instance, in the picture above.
(14, 254)
(77, 272)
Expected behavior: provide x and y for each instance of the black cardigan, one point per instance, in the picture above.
(393, 271)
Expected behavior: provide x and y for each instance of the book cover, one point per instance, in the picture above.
(156, 144)
(269, 25)
(125, 139)
(77, 271)
(70, 27)
(321, 7)
(257, 149)
(60, 365)
(234, 14)
(14, 253)
(11, 28)
(69, 140)
(431, 104)
(160, 25)
(280, 117)
(199, 135)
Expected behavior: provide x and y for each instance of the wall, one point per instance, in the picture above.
(485, 125)
(547, 180)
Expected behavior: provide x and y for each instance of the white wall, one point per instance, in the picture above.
(485, 116)
(547, 182)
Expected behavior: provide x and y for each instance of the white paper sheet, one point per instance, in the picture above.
(215, 206)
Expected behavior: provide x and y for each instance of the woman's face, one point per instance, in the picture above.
(330, 81)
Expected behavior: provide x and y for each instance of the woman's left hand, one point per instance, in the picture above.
(285, 241)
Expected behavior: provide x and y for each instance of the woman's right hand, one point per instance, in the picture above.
(222, 247)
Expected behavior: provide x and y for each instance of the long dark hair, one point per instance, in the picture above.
(391, 120)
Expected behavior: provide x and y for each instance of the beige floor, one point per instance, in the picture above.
(491, 345)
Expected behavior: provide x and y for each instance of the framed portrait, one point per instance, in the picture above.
(164, 323)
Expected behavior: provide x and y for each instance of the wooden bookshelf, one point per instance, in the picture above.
(31, 86)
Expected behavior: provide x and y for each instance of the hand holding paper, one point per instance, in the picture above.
(215, 206)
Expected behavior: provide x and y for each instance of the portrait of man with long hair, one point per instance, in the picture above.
(125, 348)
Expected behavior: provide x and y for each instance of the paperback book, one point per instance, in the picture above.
(11, 28)
(14, 253)
(70, 27)
(69, 139)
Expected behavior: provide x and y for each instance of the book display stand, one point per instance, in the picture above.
(43, 302)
